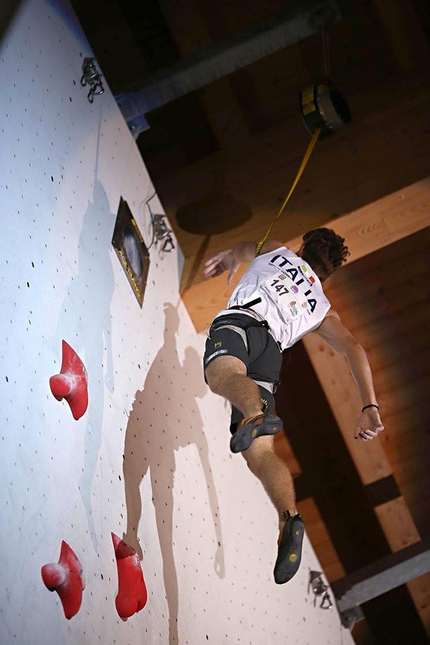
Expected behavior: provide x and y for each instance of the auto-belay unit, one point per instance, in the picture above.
(323, 106)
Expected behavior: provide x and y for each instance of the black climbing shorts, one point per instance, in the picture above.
(250, 341)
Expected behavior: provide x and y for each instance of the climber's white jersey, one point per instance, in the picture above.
(292, 298)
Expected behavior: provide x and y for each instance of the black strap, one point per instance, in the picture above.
(248, 305)
(371, 405)
(244, 322)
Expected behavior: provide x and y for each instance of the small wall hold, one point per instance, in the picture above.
(132, 594)
(67, 579)
(72, 382)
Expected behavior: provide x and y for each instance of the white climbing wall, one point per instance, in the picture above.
(149, 460)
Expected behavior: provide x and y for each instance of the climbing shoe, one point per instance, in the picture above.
(289, 549)
(250, 429)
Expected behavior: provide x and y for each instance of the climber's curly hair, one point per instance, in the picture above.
(324, 250)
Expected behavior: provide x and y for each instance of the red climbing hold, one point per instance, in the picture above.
(132, 594)
(72, 382)
(67, 579)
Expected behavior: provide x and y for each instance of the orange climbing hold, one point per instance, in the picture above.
(67, 579)
(132, 594)
(72, 382)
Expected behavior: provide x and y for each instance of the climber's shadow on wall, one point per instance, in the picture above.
(164, 418)
(85, 323)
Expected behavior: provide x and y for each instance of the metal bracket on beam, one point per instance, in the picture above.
(351, 616)
(373, 580)
(297, 22)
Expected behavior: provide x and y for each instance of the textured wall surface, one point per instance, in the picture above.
(149, 460)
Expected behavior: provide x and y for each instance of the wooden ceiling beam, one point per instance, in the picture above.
(409, 45)
(365, 230)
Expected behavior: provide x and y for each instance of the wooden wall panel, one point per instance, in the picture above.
(401, 366)
(356, 535)
(396, 337)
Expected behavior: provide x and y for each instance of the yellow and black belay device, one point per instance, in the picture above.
(325, 112)
(323, 107)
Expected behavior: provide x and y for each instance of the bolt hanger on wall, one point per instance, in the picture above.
(91, 77)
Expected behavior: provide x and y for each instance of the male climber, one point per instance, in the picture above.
(278, 300)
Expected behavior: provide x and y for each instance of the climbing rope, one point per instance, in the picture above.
(295, 182)
(326, 61)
